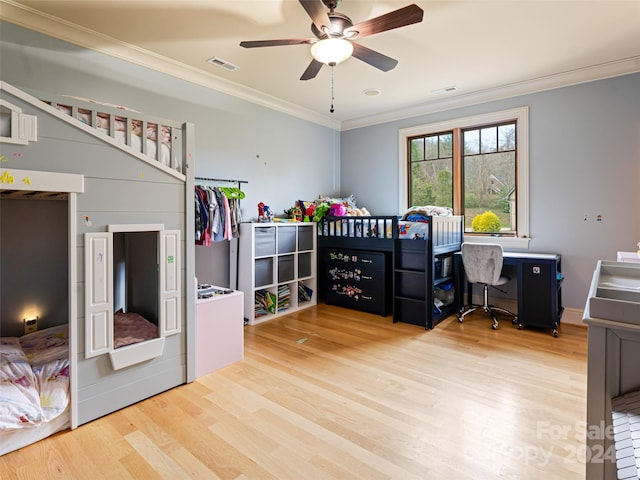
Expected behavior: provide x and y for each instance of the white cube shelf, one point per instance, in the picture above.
(277, 268)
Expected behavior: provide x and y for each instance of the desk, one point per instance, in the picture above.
(538, 283)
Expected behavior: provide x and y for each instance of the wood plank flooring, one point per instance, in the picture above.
(331, 393)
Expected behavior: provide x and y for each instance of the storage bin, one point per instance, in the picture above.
(265, 241)
(304, 265)
(305, 238)
(263, 272)
(285, 268)
(286, 239)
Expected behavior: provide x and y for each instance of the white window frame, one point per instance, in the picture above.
(521, 115)
(23, 128)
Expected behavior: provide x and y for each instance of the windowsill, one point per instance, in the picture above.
(506, 242)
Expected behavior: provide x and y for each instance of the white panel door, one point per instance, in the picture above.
(170, 285)
(98, 293)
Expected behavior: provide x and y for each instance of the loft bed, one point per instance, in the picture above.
(155, 138)
(411, 264)
(129, 336)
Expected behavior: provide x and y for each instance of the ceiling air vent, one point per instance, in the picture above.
(439, 91)
(218, 62)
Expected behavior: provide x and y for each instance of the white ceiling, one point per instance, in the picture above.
(485, 48)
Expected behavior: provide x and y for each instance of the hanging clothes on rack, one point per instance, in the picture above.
(217, 210)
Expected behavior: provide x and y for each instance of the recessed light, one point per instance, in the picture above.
(439, 91)
(371, 92)
(218, 62)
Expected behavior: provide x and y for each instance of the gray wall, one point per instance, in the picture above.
(283, 158)
(584, 160)
(34, 264)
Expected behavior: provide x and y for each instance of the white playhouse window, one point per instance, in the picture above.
(132, 292)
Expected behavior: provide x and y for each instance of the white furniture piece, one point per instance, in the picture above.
(612, 313)
(277, 268)
(628, 257)
(219, 331)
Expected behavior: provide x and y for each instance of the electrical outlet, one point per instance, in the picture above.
(30, 325)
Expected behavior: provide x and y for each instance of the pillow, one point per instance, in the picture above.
(428, 210)
(349, 202)
(46, 345)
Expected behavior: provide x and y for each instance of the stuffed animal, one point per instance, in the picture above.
(320, 211)
(337, 210)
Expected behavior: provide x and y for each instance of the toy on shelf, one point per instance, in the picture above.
(265, 215)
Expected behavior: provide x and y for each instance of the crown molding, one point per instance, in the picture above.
(55, 27)
(583, 75)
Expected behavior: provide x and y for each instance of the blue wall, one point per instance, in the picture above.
(584, 159)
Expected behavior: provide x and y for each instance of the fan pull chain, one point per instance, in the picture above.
(332, 97)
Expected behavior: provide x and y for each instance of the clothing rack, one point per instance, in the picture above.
(220, 180)
(233, 248)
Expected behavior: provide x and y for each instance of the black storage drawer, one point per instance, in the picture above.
(411, 311)
(412, 255)
(411, 284)
(538, 306)
(356, 279)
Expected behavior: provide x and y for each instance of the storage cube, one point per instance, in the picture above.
(265, 238)
(285, 268)
(287, 239)
(264, 271)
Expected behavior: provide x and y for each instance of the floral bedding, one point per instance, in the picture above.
(34, 378)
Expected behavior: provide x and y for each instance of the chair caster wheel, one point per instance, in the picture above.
(494, 327)
(519, 326)
(459, 319)
(555, 333)
(514, 321)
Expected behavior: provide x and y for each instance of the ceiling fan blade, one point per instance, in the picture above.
(398, 18)
(312, 70)
(316, 10)
(275, 43)
(373, 58)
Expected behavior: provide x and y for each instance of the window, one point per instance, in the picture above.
(474, 165)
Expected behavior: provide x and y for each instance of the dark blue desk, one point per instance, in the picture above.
(538, 283)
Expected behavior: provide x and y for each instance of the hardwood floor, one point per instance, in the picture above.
(331, 393)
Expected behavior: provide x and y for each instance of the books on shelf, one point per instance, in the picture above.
(265, 302)
(304, 293)
(284, 300)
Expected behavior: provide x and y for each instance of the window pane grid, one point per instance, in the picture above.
(430, 170)
(486, 179)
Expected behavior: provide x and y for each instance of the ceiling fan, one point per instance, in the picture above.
(335, 34)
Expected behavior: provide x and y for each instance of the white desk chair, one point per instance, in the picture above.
(483, 265)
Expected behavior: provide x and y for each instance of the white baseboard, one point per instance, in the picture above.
(573, 316)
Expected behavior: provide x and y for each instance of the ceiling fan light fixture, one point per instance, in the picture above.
(331, 51)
